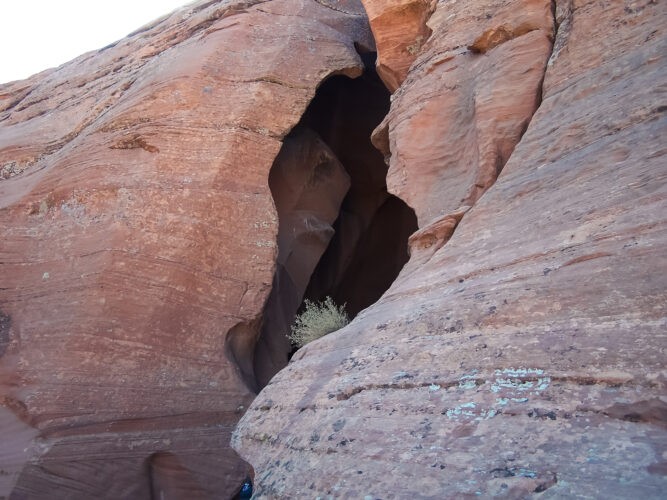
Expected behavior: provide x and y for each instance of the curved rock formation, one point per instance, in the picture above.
(138, 241)
(521, 353)
(400, 30)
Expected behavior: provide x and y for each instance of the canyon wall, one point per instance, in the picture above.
(521, 352)
(138, 244)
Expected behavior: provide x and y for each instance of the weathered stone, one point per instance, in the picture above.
(139, 243)
(457, 118)
(526, 355)
(521, 352)
(400, 30)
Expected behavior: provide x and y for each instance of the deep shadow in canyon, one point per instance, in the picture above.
(341, 234)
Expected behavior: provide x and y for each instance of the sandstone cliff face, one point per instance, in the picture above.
(521, 352)
(138, 244)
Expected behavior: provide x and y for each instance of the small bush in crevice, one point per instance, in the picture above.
(317, 320)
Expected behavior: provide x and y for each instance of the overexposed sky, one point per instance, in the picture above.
(40, 34)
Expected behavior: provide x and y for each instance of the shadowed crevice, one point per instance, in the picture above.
(341, 233)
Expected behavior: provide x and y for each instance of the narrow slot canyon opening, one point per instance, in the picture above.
(341, 234)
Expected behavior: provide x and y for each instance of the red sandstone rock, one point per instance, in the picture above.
(456, 120)
(526, 356)
(137, 231)
(400, 30)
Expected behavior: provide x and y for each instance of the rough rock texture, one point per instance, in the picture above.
(137, 244)
(400, 30)
(525, 356)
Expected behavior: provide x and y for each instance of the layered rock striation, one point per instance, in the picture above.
(138, 244)
(521, 352)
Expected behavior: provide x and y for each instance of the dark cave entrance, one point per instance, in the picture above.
(341, 233)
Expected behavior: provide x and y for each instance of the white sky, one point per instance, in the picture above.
(40, 34)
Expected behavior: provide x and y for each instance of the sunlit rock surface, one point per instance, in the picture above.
(400, 30)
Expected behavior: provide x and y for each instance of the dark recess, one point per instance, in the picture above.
(369, 247)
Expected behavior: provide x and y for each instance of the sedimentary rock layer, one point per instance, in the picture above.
(525, 356)
(138, 244)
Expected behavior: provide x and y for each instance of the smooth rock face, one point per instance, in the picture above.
(138, 242)
(400, 30)
(458, 117)
(525, 356)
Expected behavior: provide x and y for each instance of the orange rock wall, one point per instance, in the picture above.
(400, 30)
(521, 351)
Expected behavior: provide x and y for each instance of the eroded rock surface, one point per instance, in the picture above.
(458, 117)
(138, 244)
(400, 30)
(525, 356)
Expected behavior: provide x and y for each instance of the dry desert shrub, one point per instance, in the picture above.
(317, 320)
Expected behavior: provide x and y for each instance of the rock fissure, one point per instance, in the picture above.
(470, 382)
(274, 80)
(494, 37)
(335, 215)
(325, 3)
